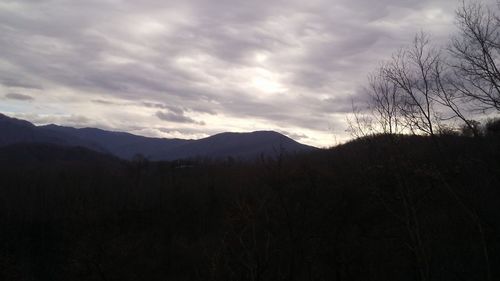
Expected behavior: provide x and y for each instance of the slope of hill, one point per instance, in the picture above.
(50, 154)
(123, 145)
(20, 131)
(350, 211)
(240, 145)
(126, 146)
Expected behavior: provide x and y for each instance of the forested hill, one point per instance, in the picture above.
(384, 207)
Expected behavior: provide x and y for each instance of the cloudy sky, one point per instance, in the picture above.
(194, 68)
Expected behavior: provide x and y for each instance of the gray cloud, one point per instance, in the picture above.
(17, 96)
(294, 135)
(187, 131)
(69, 120)
(281, 63)
(104, 102)
(177, 117)
(173, 109)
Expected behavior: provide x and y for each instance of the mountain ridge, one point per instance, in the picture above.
(245, 145)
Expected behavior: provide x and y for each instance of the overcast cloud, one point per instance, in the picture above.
(197, 67)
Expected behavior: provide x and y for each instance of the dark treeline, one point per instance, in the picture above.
(379, 208)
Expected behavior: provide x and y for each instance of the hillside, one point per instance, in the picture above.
(379, 208)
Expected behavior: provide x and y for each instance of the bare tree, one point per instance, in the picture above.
(476, 49)
(447, 93)
(384, 102)
(359, 123)
(411, 70)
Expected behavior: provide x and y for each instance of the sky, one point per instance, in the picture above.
(194, 68)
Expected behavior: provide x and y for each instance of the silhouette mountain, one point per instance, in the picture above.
(14, 130)
(126, 145)
(123, 145)
(46, 153)
(240, 145)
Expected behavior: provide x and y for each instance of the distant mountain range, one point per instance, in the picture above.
(126, 146)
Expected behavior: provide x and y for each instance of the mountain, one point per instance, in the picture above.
(126, 146)
(123, 145)
(240, 145)
(14, 130)
(46, 153)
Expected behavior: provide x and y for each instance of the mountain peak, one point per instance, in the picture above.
(14, 121)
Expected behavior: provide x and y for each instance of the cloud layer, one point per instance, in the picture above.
(193, 68)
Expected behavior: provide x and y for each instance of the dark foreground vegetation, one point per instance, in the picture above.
(379, 208)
